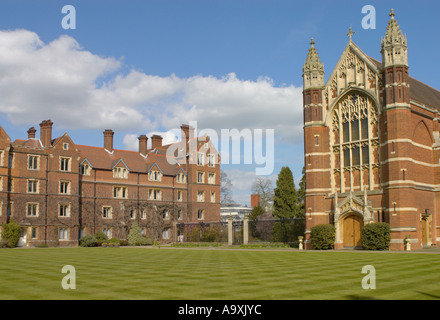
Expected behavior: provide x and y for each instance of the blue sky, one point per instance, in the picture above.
(148, 66)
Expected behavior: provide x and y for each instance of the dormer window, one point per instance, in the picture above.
(85, 169)
(120, 173)
(155, 176)
(181, 177)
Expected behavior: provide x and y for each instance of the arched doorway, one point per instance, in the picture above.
(351, 230)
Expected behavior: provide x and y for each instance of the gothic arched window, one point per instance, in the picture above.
(354, 142)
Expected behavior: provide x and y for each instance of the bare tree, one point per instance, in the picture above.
(225, 189)
(264, 188)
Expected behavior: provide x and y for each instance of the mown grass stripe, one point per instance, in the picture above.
(140, 273)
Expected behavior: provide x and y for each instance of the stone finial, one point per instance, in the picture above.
(393, 34)
(313, 69)
(394, 44)
(392, 14)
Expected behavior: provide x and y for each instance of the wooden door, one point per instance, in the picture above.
(352, 226)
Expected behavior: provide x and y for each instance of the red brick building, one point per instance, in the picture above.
(59, 191)
(372, 145)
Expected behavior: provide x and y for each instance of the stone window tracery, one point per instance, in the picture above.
(354, 143)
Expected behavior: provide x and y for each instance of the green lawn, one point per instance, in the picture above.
(153, 273)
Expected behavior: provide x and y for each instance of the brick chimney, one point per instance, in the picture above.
(46, 133)
(108, 140)
(156, 141)
(255, 200)
(187, 132)
(31, 133)
(143, 140)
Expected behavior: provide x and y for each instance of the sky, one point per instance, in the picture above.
(148, 66)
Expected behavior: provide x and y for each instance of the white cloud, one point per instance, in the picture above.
(80, 90)
(242, 181)
(131, 141)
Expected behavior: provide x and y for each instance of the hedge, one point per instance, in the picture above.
(376, 236)
(322, 237)
(11, 234)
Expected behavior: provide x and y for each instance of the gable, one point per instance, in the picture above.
(120, 164)
(155, 167)
(59, 143)
(353, 70)
(4, 138)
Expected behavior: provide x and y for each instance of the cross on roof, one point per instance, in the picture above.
(350, 33)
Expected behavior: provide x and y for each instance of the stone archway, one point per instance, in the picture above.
(350, 215)
(351, 230)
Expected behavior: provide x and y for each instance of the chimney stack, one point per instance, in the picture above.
(108, 140)
(156, 141)
(46, 133)
(187, 132)
(255, 200)
(143, 140)
(31, 133)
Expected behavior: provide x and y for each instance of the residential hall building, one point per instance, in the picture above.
(59, 191)
(372, 145)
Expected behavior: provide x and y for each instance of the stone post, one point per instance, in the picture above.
(301, 246)
(230, 234)
(407, 244)
(245, 229)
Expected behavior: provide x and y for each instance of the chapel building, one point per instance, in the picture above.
(372, 145)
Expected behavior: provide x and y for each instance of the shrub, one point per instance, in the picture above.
(322, 237)
(114, 241)
(11, 233)
(123, 243)
(134, 235)
(211, 233)
(376, 236)
(88, 241)
(143, 241)
(101, 237)
(42, 245)
(4, 243)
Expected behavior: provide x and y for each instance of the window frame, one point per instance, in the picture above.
(35, 210)
(65, 161)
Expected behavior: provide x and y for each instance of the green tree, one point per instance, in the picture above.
(134, 236)
(256, 212)
(285, 202)
(285, 205)
(302, 194)
(11, 233)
